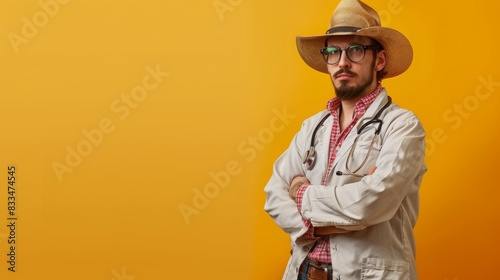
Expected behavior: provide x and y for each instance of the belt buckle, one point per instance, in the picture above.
(318, 270)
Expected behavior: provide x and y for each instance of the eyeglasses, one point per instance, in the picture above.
(354, 52)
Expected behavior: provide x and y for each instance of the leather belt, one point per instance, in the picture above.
(315, 271)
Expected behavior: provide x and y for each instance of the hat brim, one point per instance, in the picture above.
(398, 47)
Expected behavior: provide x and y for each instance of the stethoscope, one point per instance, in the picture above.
(310, 156)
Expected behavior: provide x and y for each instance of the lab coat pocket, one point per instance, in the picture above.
(364, 155)
(380, 269)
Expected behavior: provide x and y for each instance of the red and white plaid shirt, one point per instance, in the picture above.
(321, 252)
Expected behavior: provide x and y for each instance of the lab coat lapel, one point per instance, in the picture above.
(349, 140)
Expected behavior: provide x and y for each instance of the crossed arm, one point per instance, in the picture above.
(372, 200)
(298, 182)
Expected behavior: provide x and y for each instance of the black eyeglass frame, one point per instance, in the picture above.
(364, 47)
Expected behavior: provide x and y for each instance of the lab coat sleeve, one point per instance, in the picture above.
(279, 205)
(377, 197)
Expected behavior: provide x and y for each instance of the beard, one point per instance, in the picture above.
(347, 92)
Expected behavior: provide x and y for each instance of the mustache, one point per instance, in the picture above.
(344, 71)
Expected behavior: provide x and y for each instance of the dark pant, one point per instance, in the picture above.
(310, 270)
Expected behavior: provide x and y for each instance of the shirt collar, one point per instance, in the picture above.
(361, 106)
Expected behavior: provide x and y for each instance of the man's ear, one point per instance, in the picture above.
(381, 60)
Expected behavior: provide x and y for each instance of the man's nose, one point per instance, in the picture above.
(344, 62)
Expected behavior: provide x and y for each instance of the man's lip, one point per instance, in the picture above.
(343, 75)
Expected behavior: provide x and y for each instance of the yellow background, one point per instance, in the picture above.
(232, 68)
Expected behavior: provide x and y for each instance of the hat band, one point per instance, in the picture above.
(340, 29)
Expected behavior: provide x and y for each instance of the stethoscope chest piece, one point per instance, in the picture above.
(310, 158)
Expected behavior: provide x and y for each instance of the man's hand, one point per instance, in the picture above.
(297, 182)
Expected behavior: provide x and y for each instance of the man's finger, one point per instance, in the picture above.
(372, 170)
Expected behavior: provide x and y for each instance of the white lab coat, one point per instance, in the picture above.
(381, 209)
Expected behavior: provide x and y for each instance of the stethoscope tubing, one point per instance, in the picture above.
(310, 156)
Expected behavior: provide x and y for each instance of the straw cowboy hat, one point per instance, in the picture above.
(353, 17)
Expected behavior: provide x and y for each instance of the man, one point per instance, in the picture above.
(346, 190)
